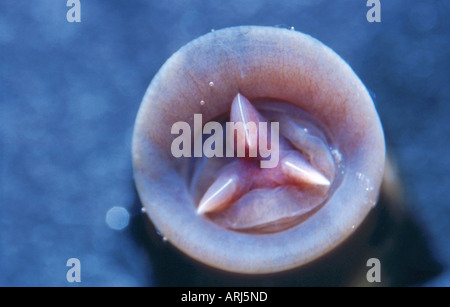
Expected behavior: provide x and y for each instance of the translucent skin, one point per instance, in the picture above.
(258, 62)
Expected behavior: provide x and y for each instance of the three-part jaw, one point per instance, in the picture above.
(245, 174)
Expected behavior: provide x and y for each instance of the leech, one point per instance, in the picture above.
(275, 223)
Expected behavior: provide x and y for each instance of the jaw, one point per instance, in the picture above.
(241, 195)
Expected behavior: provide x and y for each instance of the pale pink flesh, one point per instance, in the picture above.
(242, 183)
(269, 210)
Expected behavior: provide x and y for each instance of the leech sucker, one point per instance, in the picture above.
(242, 175)
(244, 204)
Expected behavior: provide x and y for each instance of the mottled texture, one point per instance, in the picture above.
(70, 93)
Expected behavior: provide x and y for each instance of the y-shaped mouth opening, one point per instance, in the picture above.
(240, 194)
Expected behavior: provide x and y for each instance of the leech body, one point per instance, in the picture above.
(268, 64)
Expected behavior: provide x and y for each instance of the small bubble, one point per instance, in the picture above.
(292, 28)
(159, 233)
(353, 227)
(202, 102)
(211, 84)
(117, 218)
(143, 210)
(212, 30)
(305, 129)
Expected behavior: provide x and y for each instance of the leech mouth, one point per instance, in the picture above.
(325, 114)
(240, 195)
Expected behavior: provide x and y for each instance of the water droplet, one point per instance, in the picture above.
(211, 84)
(143, 210)
(337, 156)
(292, 28)
(159, 233)
(305, 129)
(202, 102)
(117, 218)
(353, 227)
(212, 30)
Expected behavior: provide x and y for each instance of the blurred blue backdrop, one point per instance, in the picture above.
(70, 93)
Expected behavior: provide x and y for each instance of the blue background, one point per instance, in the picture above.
(70, 93)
